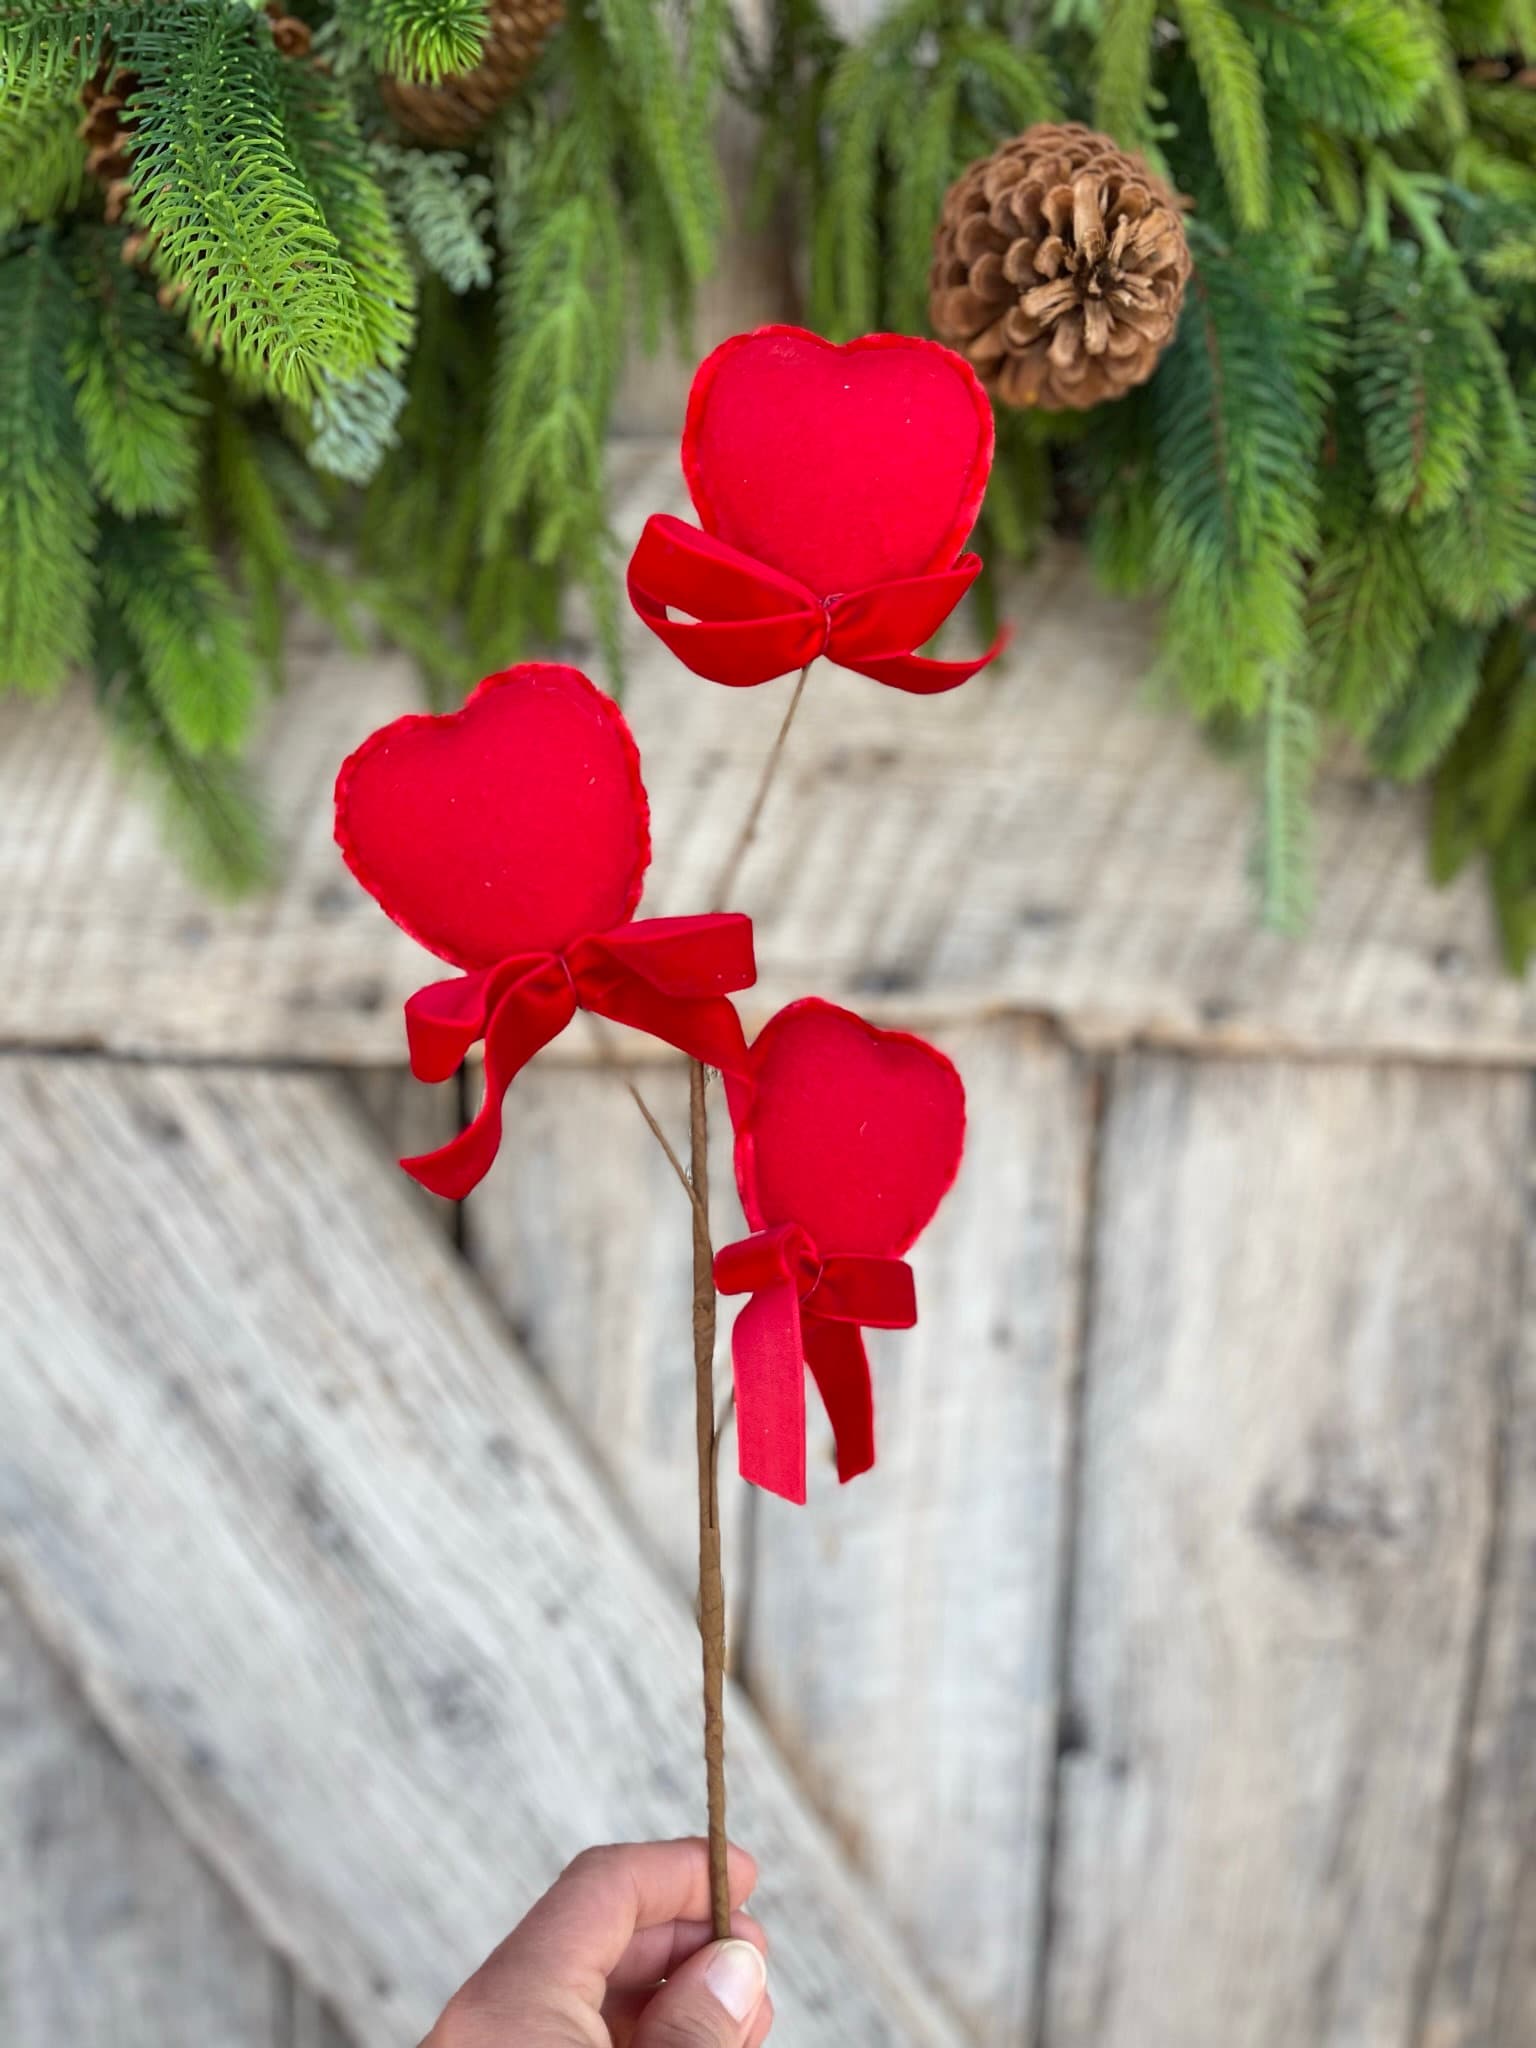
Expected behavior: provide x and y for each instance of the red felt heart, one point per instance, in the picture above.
(851, 1132)
(514, 825)
(841, 467)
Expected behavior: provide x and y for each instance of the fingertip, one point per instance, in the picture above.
(762, 2026)
(741, 1869)
(745, 1928)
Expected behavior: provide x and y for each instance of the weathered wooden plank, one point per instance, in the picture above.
(327, 1563)
(405, 1118)
(1306, 1290)
(1480, 1967)
(582, 1235)
(902, 1634)
(1044, 839)
(112, 1929)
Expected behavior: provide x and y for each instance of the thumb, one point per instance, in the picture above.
(711, 2002)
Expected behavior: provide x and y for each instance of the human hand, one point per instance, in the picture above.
(618, 1954)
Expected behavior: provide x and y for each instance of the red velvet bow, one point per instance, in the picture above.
(750, 622)
(807, 1309)
(666, 975)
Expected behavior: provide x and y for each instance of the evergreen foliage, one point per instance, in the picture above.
(314, 363)
(1330, 477)
(419, 40)
(47, 512)
(319, 363)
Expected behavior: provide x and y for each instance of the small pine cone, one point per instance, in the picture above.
(107, 136)
(459, 106)
(291, 36)
(1059, 269)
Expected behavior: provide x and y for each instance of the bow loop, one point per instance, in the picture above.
(876, 1292)
(806, 1310)
(670, 976)
(746, 622)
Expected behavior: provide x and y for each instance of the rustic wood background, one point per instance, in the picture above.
(1172, 1681)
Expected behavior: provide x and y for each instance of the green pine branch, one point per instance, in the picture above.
(136, 397)
(1283, 856)
(1478, 556)
(42, 159)
(666, 101)
(1122, 83)
(188, 640)
(322, 138)
(1358, 67)
(47, 518)
(354, 425)
(1368, 617)
(1419, 349)
(1413, 737)
(1238, 419)
(444, 206)
(236, 227)
(49, 50)
(420, 41)
(210, 814)
(1233, 86)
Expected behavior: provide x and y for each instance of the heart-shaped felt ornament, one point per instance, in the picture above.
(835, 487)
(852, 1132)
(847, 1138)
(513, 825)
(512, 838)
(841, 466)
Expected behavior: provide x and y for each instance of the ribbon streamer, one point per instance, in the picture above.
(748, 623)
(669, 976)
(806, 1310)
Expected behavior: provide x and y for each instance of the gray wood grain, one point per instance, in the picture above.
(902, 1631)
(404, 1117)
(1479, 1976)
(1045, 839)
(1306, 1292)
(582, 1235)
(328, 1565)
(113, 1933)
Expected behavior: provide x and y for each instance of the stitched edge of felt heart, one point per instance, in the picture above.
(969, 503)
(741, 1099)
(629, 754)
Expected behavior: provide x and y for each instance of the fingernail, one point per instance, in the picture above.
(737, 1977)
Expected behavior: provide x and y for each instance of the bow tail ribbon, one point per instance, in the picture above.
(806, 1311)
(517, 1008)
(746, 623)
(669, 976)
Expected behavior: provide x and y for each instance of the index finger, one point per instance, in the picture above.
(577, 1933)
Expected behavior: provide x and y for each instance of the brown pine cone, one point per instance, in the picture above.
(292, 36)
(459, 106)
(107, 136)
(1059, 268)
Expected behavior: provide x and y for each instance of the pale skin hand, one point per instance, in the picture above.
(618, 1954)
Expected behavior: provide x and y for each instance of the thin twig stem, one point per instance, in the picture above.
(611, 1060)
(711, 1581)
(765, 782)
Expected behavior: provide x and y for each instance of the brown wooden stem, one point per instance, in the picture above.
(711, 1579)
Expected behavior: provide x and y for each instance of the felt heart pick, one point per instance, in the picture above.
(512, 825)
(512, 837)
(835, 488)
(852, 1132)
(847, 1138)
(839, 466)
